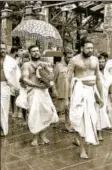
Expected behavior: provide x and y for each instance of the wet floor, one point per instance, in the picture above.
(61, 154)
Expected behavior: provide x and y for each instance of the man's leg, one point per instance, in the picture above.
(83, 153)
(13, 104)
(100, 137)
(42, 137)
(67, 121)
(24, 112)
(35, 142)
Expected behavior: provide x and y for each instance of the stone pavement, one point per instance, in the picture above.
(61, 154)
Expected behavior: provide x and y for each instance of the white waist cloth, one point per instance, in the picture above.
(83, 114)
(5, 103)
(103, 117)
(41, 110)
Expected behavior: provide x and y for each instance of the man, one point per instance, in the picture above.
(41, 109)
(21, 101)
(21, 57)
(10, 75)
(108, 71)
(61, 82)
(103, 118)
(85, 69)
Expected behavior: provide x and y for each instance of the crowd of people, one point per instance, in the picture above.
(78, 87)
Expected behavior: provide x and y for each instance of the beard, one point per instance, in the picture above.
(101, 67)
(35, 59)
(2, 54)
(89, 54)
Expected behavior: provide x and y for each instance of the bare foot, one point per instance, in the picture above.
(44, 140)
(68, 128)
(83, 155)
(76, 142)
(100, 138)
(34, 142)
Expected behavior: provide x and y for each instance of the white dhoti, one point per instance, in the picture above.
(103, 117)
(83, 114)
(41, 110)
(5, 103)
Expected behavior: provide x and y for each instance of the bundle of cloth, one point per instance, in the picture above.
(44, 73)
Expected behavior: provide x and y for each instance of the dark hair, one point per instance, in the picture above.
(104, 54)
(13, 50)
(85, 41)
(32, 46)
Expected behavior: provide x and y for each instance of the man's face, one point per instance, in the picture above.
(68, 57)
(21, 52)
(26, 58)
(102, 62)
(88, 49)
(2, 50)
(35, 53)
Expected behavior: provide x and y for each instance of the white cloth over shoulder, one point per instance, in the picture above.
(5, 103)
(12, 71)
(41, 110)
(83, 114)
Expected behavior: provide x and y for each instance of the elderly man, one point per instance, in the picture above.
(85, 69)
(41, 109)
(10, 75)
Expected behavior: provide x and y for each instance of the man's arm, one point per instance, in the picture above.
(70, 75)
(99, 83)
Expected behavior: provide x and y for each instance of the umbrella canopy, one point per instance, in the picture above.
(39, 30)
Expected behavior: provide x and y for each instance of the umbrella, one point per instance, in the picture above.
(38, 29)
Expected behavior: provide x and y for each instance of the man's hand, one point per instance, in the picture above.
(17, 92)
(101, 103)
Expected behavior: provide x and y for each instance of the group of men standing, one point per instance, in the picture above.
(81, 91)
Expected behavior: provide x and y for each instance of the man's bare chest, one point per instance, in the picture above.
(84, 65)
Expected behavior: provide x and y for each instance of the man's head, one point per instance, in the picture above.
(87, 48)
(68, 54)
(2, 49)
(20, 52)
(26, 57)
(102, 60)
(35, 52)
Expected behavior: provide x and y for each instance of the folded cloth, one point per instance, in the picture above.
(41, 110)
(82, 112)
(5, 103)
(21, 100)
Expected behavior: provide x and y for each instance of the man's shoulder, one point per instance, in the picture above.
(27, 64)
(75, 58)
(94, 58)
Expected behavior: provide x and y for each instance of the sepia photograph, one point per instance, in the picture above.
(56, 85)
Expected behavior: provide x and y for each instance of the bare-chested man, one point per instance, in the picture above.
(8, 70)
(41, 108)
(85, 69)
